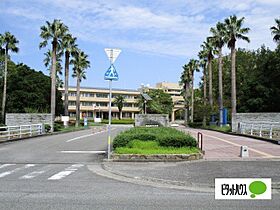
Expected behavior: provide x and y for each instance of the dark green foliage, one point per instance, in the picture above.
(28, 89)
(161, 103)
(168, 137)
(122, 121)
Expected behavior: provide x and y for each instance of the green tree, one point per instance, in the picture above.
(9, 43)
(193, 66)
(28, 89)
(119, 101)
(53, 31)
(218, 41)
(70, 47)
(185, 81)
(80, 63)
(234, 31)
(208, 48)
(203, 62)
(275, 30)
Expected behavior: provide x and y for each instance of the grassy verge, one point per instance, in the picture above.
(218, 128)
(152, 147)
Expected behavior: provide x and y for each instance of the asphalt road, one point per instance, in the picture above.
(52, 172)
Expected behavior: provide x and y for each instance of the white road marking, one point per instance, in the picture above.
(32, 175)
(6, 165)
(16, 170)
(66, 172)
(84, 136)
(83, 152)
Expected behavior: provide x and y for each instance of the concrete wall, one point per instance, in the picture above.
(151, 119)
(27, 118)
(254, 118)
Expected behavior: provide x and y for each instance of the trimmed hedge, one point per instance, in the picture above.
(167, 137)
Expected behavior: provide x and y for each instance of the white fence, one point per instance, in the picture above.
(261, 129)
(21, 131)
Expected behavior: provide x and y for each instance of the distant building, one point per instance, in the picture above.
(95, 101)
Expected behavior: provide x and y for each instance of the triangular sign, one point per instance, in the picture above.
(112, 54)
(111, 74)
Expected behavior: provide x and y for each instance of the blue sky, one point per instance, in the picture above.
(157, 37)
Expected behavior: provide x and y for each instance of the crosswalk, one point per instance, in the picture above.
(49, 172)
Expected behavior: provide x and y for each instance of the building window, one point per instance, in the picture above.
(101, 104)
(101, 95)
(85, 103)
(72, 114)
(72, 93)
(128, 105)
(84, 94)
(72, 103)
(127, 115)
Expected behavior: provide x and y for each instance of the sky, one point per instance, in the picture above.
(157, 37)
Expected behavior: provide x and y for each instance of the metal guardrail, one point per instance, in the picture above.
(261, 129)
(20, 131)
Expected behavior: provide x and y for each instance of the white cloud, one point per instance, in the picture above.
(174, 27)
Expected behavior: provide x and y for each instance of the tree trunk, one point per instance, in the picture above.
(78, 102)
(233, 81)
(5, 87)
(210, 83)
(221, 106)
(204, 95)
(187, 103)
(53, 84)
(192, 107)
(66, 82)
(120, 114)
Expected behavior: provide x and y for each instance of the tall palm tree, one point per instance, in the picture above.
(218, 41)
(9, 43)
(119, 101)
(80, 63)
(203, 62)
(70, 47)
(193, 66)
(53, 31)
(185, 81)
(275, 30)
(209, 49)
(234, 31)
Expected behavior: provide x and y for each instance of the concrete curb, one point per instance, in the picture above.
(156, 157)
(104, 171)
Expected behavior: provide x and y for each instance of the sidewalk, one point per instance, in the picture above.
(225, 146)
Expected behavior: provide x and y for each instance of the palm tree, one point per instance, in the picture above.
(217, 39)
(234, 31)
(186, 82)
(119, 101)
(53, 31)
(80, 63)
(275, 30)
(9, 43)
(203, 62)
(209, 49)
(193, 66)
(70, 47)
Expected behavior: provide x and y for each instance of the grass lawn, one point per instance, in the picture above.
(152, 147)
(218, 128)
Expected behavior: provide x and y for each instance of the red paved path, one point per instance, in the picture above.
(224, 146)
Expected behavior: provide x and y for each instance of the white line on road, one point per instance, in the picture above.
(84, 152)
(66, 172)
(15, 170)
(84, 136)
(6, 165)
(32, 174)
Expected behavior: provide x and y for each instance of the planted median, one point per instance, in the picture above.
(154, 143)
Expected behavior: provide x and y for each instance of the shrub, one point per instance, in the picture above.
(47, 128)
(177, 141)
(168, 137)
